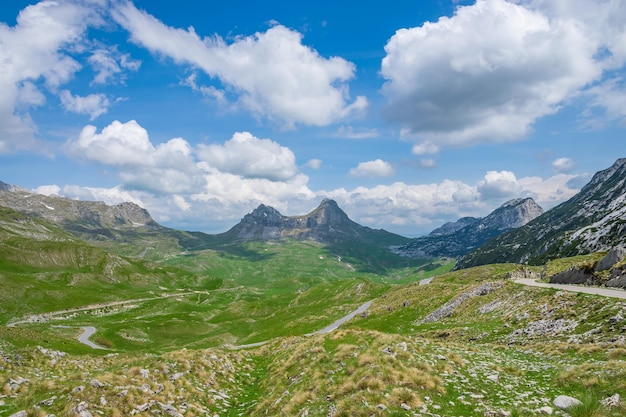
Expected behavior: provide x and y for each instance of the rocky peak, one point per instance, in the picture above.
(512, 214)
(327, 213)
(264, 216)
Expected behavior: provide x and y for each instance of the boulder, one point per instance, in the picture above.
(617, 281)
(615, 255)
(565, 402)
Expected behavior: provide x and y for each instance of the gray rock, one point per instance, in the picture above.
(617, 282)
(22, 413)
(565, 402)
(81, 410)
(615, 255)
(612, 401)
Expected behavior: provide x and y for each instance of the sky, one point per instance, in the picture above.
(409, 114)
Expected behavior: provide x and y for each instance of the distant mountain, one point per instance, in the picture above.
(468, 233)
(593, 220)
(326, 224)
(97, 222)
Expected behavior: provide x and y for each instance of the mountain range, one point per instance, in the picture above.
(455, 239)
(518, 231)
(591, 221)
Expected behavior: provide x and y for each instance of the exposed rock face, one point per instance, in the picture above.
(326, 224)
(573, 276)
(615, 255)
(460, 237)
(591, 221)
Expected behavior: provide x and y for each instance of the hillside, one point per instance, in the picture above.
(460, 237)
(593, 220)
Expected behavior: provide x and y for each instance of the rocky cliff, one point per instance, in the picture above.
(458, 238)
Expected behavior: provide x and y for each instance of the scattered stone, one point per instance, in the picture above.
(22, 413)
(96, 384)
(170, 410)
(405, 406)
(448, 308)
(612, 401)
(402, 346)
(78, 389)
(493, 377)
(142, 407)
(564, 402)
(381, 407)
(81, 410)
(48, 402)
(176, 376)
(546, 410)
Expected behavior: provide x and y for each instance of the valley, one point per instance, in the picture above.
(310, 315)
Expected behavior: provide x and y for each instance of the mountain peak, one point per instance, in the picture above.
(327, 223)
(590, 221)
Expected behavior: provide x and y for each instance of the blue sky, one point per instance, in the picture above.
(409, 114)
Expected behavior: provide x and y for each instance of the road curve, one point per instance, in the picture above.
(88, 331)
(605, 292)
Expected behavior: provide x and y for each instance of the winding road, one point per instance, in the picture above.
(605, 292)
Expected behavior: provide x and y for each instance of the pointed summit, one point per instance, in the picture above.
(327, 223)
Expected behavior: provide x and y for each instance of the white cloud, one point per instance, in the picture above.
(48, 189)
(94, 104)
(562, 165)
(373, 169)
(32, 50)
(314, 163)
(165, 168)
(352, 133)
(110, 64)
(490, 71)
(251, 157)
(111, 196)
(427, 163)
(424, 148)
(273, 74)
(499, 184)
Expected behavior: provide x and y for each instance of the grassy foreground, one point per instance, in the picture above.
(502, 350)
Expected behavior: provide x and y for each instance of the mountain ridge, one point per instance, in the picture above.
(593, 220)
(455, 239)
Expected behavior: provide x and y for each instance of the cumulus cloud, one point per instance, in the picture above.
(272, 73)
(490, 71)
(373, 169)
(33, 50)
(94, 104)
(251, 157)
(499, 184)
(167, 167)
(562, 165)
(427, 163)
